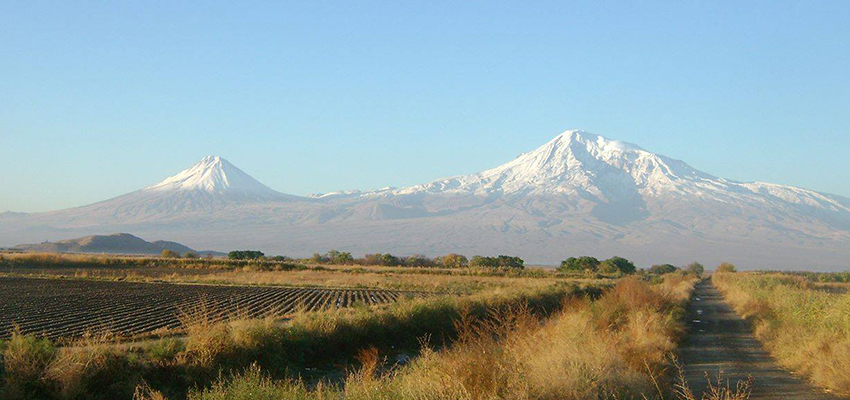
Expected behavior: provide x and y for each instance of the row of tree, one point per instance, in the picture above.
(694, 268)
(452, 260)
(624, 266)
(612, 265)
(246, 255)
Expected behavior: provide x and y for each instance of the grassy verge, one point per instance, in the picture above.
(34, 368)
(805, 327)
(616, 347)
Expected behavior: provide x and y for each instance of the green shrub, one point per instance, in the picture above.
(726, 267)
(574, 264)
(617, 265)
(663, 269)
(251, 385)
(453, 261)
(25, 362)
(169, 254)
(245, 255)
(165, 349)
(695, 268)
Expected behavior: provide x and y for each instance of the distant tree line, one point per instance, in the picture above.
(452, 260)
(506, 262)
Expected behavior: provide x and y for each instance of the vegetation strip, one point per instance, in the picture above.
(94, 368)
(616, 347)
(804, 325)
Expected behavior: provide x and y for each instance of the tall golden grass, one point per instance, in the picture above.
(806, 328)
(95, 368)
(614, 348)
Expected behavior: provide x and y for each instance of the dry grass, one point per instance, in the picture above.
(96, 368)
(613, 348)
(717, 389)
(805, 328)
(25, 362)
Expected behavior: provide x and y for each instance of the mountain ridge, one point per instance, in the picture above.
(117, 243)
(579, 193)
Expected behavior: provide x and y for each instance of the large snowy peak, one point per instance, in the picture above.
(574, 162)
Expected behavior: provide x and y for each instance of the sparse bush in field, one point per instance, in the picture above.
(335, 257)
(93, 371)
(169, 254)
(191, 255)
(574, 264)
(718, 388)
(389, 260)
(726, 267)
(663, 269)
(25, 362)
(165, 349)
(318, 258)
(245, 255)
(252, 385)
(695, 268)
(419, 261)
(343, 258)
(453, 261)
(143, 391)
(617, 265)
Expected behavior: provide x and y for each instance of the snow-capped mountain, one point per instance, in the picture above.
(581, 163)
(572, 162)
(210, 185)
(215, 175)
(578, 194)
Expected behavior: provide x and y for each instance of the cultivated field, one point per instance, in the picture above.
(60, 308)
(271, 273)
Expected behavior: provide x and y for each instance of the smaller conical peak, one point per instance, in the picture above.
(213, 174)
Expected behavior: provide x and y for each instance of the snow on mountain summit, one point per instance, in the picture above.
(213, 183)
(574, 161)
(214, 174)
(578, 164)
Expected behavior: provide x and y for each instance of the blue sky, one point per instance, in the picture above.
(101, 98)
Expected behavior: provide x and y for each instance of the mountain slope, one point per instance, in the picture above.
(119, 243)
(578, 194)
(213, 184)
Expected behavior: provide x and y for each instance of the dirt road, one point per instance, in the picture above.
(719, 339)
